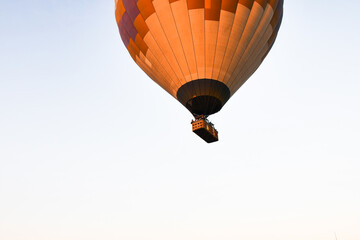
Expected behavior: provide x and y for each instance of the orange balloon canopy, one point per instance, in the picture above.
(199, 51)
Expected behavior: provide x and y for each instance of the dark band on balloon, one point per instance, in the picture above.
(212, 10)
(229, 5)
(195, 4)
(132, 26)
(247, 3)
(275, 23)
(203, 96)
(262, 3)
(273, 3)
(146, 8)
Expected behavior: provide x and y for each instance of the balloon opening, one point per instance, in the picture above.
(203, 96)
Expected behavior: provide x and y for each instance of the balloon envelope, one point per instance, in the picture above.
(199, 51)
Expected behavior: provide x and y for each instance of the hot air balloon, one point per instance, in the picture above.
(199, 51)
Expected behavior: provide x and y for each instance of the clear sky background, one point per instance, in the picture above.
(91, 148)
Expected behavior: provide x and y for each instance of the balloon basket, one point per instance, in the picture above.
(204, 129)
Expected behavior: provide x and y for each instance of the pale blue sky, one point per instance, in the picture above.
(91, 148)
